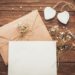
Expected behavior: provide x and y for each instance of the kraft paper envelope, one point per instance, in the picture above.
(36, 31)
(32, 58)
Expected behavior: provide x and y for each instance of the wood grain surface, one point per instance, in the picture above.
(13, 9)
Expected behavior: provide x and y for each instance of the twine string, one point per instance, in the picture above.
(70, 5)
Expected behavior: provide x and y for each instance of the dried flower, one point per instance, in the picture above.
(64, 38)
(23, 30)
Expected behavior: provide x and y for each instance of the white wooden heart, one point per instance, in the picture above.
(49, 13)
(63, 17)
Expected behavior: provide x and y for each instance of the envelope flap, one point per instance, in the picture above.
(8, 29)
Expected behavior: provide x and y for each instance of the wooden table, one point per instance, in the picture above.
(13, 9)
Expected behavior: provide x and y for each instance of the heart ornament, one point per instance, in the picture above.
(63, 17)
(49, 13)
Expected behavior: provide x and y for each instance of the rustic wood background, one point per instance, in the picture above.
(13, 9)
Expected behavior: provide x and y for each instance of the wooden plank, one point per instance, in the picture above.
(66, 69)
(3, 73)
(68, 56)
(66, 74)
(31, 1)
(1, 60)
(3, 68)
(28, 6)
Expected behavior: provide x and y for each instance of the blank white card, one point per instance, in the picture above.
(32, 58)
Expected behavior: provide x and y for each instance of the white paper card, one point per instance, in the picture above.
(32, 58)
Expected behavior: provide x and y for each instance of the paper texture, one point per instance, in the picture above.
(32, 58)
(38, 31)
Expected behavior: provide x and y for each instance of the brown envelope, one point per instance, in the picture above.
(37, 32)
